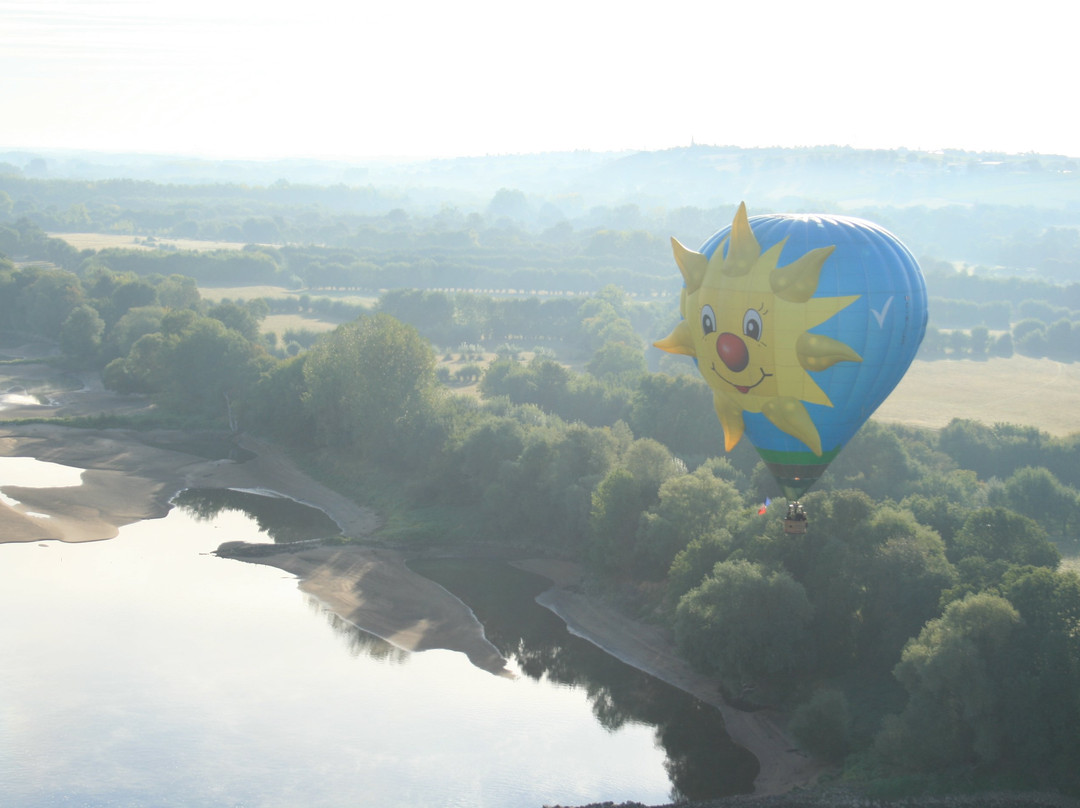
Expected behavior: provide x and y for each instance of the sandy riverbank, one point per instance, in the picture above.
(131, 476)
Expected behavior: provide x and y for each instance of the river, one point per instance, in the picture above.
(144, 670)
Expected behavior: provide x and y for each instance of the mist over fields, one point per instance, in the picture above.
(953, 205)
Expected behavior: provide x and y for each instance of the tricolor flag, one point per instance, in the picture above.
(764, 507)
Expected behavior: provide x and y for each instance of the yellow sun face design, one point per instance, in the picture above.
(747, 320)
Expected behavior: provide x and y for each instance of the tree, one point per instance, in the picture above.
(678, 412)
(999, 533)
(876, 461)
(194, 365)
(617, 360)
(694, 562)
(617, 505)
(901, 578)
(277, 403)
(980, 341)
(244, 318)
(1044, 704)
(206, 368)
(80, 335)
(1037, 494)
(129, 328)
(178, 292)
(369, 384)
(49, 300)
(690, 507)
(745, 623)
(822, 726)
(956, 675)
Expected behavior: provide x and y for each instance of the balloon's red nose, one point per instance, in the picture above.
(732, 351)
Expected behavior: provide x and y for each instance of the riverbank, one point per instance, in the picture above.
(131, 476)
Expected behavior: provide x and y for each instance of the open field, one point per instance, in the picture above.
(1020, 390)
(280, 323)
(106, 241)
(217, 293)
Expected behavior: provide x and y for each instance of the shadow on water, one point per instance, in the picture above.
(359, 642)
(702, 761)
(283, 520)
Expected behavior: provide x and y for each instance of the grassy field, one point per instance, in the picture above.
(217, 293)
(1018, 390)
(280, 323)
(106, 241)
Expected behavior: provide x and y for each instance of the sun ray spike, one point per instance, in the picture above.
(818, 352)
(679, 341)
(744, 249)
(691, 264)
(731, 419)
(789, 415)
(797, 282)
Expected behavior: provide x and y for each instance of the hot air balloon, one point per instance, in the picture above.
(801, 325)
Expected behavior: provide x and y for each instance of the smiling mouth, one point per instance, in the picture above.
(742, 388)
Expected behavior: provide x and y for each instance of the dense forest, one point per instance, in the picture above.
(924, 635)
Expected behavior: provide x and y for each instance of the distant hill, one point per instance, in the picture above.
(834, 178)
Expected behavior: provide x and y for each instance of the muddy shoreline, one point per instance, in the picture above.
(132, 475)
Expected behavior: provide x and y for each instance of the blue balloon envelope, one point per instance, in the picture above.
(801, 325)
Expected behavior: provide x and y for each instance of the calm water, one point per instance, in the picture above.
(144, 671)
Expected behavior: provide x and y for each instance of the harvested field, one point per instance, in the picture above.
(280, 323)
(107, 241)
(1019, 390)
(215, 294)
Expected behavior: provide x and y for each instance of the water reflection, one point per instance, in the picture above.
(701, 760)
(283, 520)
(360, 642)
(144, 670)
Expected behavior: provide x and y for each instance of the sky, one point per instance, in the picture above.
(399, 79)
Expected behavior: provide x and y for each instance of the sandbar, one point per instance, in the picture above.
(132, 475)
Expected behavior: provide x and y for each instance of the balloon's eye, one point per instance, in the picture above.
(752, 325)
(708, 320)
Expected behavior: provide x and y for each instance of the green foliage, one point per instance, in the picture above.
(370, 384)
(545, 494)
(995, 683)
(617, 504)
(277, 406)
(822, 725)
(690, 508)
(80, 335)
(134, 324)
(1001, 449)
(678, 412)
(616, 361)
(1037, 494)
(198, 366)
(996, 533)
(552, 387)
(695, 561)
(241, 317)
(955, 714)
(746, 623)
(876, 461)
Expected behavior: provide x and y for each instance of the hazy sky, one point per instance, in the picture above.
(326, 78)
